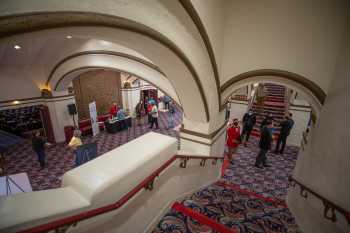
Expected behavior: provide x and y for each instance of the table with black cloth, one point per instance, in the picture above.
(114, 126)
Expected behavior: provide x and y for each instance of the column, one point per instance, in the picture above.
(59, 114)
(204, 139)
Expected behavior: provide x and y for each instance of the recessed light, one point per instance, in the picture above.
(16, 102)
(17, 46)
(69, 37)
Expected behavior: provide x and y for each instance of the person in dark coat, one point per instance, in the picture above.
(267, 118)
(249, 120)
(265, 145)
(38, 144)
(286, 127)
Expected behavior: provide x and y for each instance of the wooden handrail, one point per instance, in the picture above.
(147, 183)
(329, 206)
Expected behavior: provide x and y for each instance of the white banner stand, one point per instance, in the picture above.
(93, 117)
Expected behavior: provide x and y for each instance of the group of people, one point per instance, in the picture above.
(117, 112)
(267, 128)
(39, 145)
(150, 108)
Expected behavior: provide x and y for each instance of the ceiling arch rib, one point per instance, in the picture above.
(192, 12)
(16, 24)
(104, 52)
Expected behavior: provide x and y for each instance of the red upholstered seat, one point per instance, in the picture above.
(103, 118)
(85, 125)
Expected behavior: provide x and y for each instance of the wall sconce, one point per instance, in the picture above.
(46, 93)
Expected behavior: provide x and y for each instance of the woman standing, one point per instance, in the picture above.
(38, 144)
(233, 138)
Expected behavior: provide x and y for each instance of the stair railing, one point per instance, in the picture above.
(252, 99)
(63, 224)
(329, 207)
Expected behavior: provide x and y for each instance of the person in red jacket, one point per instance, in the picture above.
(113, 110)
(233, 138)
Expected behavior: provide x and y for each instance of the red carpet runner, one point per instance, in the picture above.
(201, 218)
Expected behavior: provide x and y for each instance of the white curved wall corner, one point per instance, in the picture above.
(25, 210)
(144, 211)
(309, 96)
(296, 36)
(109, 177)
(166, 18)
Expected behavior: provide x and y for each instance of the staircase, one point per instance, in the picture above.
(274, 103)
(244, 200)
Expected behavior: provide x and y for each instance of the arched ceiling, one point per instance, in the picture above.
(199, 45)
(166, 22)
(144, 53)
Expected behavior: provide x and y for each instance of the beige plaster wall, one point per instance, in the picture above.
(324, 165)
(298, 36)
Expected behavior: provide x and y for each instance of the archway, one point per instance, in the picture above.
(63, 75)
(312, 92)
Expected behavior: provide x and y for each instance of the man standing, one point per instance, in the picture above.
(154, 116)
(249, 120)
(265, 145)
(171, 108)
(166, 100)
(139, 109)
(286, 127)
(38, 144)
(267, 118)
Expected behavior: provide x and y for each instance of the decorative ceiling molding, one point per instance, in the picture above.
(103, 52)
(35, 21)
(308, 84)
(191, 11)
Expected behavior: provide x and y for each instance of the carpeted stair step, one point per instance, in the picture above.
(229, 206)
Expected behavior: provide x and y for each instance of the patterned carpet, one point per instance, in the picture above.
(246, 199)
(60, 158)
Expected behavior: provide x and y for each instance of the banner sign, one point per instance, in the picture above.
(93, 117)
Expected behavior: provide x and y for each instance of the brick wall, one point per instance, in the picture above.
(102, 86)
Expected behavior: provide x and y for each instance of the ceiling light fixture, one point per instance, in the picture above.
(69, 37)
(16, 102)
(17, 47)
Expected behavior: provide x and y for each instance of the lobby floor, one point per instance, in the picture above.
(60, 157)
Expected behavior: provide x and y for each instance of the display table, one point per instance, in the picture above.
(114, 126)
